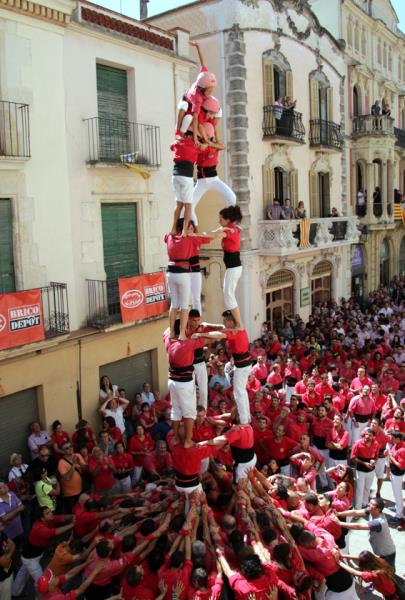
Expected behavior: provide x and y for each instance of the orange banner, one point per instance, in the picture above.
(142, 296)
(21, 320)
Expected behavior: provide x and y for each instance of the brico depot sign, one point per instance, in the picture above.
(21, 320)
(142, 296)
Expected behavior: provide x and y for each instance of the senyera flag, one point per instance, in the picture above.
(142, 296)
(21, 319)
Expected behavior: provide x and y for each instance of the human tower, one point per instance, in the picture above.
(198, 143)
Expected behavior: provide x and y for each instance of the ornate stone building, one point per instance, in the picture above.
(375, 59)
(262, 50)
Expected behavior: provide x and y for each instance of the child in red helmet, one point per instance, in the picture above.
(190, 105)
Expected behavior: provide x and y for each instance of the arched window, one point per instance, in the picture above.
(321, 98)
(357, 110)
(279, 182)
(349, 32)
(280, 298)
(321, 282)
(319, 193)
(277, 77)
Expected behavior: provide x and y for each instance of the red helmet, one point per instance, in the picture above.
(211, 104)
(206, 79)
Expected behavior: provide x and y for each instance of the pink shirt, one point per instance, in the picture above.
(360, 405)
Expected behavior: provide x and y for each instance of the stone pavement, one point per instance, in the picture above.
(358, 540)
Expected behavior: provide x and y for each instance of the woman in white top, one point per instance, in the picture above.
(107, 389)
(115, 407)
(18, 468)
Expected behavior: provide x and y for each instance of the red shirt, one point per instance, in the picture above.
(361, 405)
(231, 241)
(358, 384)
(396, 425)
(311, 400)
(129, 592)
(323, 390)
(380, 581)
(42, 533)
(300, 388)
(295, 430)
(242, 437)
(104, 479)
(188, 460)
(260, 371)
(123, 461)
(208, 157)
(86, 522)
(172, 576)
(238, 342)
(181, 352)
(280, 450)
(259, 587)
(321, 427)
(338, 437)
(137, 445)
(361, 450)
(202, 432)
(261, 439)
(398, 452)
(185, 149)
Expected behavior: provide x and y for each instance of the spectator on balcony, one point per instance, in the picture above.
(376, 108)
(377, 202)
(278, 112)
(386, 110)
(287, 120)
(300, 212)
(361, 203)
(274, 211)
(397, 196)
(287, 210)
(334, 212)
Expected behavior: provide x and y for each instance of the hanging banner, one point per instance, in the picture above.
(143, 296)
(21, 320)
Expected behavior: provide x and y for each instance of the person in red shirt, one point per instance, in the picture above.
(297, 425)
(382, 440)
(229, 231)
(388, 383)
(292, 374)
(337, 440)
(396, 457)
(301, 387)
(59, 439)
(396, 423)
(364, 455)
(280, 448)
(260, 370)
(102, 471)
(48, 585)
(181, 384)
(375, 571)
(275, 377)
(159, 462)
(320, 428)
(256, 578)
(274, 347)
(379, 399)
(44, 531)
(311, 398)
(261, 436)
(324, 388)
(360, 381)
(361, 410)
(305, 463)
(124, 465)
(140, 446)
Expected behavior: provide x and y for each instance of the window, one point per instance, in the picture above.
(399, 68)
(279, 183)
(356, 36)
(349, 32)
(379, 51)
(279, 298)
(7, 276)
(321, 282)
(385, 55)
(363, 41)
(389, 58)
(112, 101)
(120, 246)
(277, 77)
(356, 101)
(319, 193)
(320, 97)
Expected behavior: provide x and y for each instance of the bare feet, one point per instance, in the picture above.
(183, 337)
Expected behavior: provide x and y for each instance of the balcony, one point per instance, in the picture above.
(109, 139)
(326, 134)
(283, 238)
(55, 309)
(380, 125)
(289, 127)
(400, 135)
(14, 130)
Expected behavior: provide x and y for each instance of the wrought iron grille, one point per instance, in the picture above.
(14, 130)
(325, 133)
(283, 123)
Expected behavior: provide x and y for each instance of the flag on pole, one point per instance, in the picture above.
(129, 161)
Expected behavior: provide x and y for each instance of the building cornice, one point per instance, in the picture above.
(39, 11)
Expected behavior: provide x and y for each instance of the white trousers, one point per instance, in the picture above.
(363, 485)
(380, 467)
(137, 474)
(179, 285)
(201, 378)
(231, 279)
(240, 377)
(187, 491)
(289, 390)
(396, 483)
(242, 469)
(349, 594)
(196, 285)
(211, 184)
(124, 485)
(30, 567)
(5, 588)
(183, 399)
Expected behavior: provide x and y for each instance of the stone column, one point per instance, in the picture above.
(384, 191)
(370, 190)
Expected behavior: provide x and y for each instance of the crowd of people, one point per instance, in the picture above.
(245, 480)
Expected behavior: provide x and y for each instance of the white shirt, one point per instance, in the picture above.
(149, 398)
(118, 416)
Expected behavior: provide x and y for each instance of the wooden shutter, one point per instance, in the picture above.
(314, 98)
(326, 208)
(7, 278)
(268, 188)
(329, 104)
(289, 83)
(294, 187)
(313, 194)
(120, 240)
(112, 100)
(268, 82)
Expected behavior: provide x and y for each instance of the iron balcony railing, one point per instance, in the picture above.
(372, 125)
(400, 135)
(283, 123)
(104, 303)
(325, 133)
(109, 139)
(55, 309)
(14, 130)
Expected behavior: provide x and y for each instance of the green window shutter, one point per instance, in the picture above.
(7, 278)
(112, 100)
(120, 240)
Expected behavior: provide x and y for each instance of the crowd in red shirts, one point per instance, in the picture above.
(256, 510)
